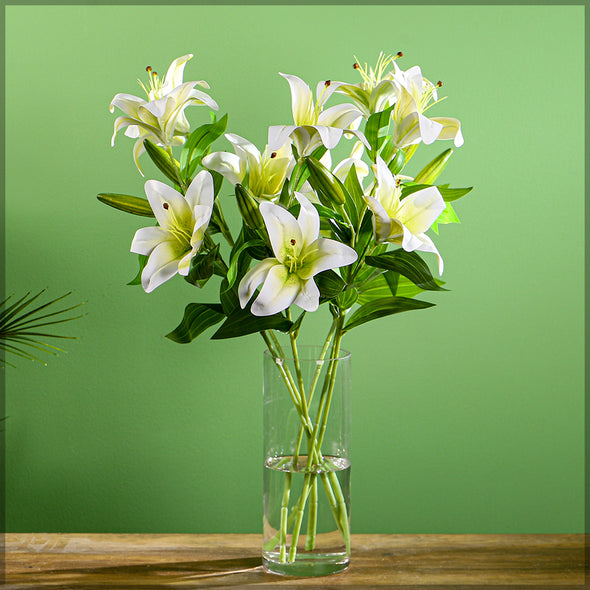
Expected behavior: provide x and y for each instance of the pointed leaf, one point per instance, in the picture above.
(241, 323)
(142, 262)
(447, 216)
(383, 307)
(329, 283)
(197, 318)
(375, 123)
(202, 267)
(200, 139)
(408, 264)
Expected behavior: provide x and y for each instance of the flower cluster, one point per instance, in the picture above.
(303, 217)
(346, 235)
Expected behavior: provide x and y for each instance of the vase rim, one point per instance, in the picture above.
(311, 352)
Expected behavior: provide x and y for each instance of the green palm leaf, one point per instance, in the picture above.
(19, 323)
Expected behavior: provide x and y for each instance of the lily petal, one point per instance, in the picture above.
(324, 254)
(451, 129)
(279, 291)
(254, 278)
(175, 71)
(301, 100)
(421, 209)
(308, 220)
(166, 202)
(309, 296)
(283, 230)
(230, 166)
(278, 135)
(200, 191)
(381, 221)
(147, 238)
(161, 266)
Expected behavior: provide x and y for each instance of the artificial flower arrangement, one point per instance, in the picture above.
(346, 235)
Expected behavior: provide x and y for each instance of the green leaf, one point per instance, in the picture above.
(408, 264)
(329, 283)
(217, 182)
(434, 169)
(161, 159)
(447, 216)
(355, 190)
(379, 288)
(228, 297)
(232, 272)
(392, 279)
(375, 123)
(127, 203)
(452, 194)
(364, 236)
(197, 318)
(241, 322)
(142, 262)
(396, 165)
(199, 142)
(448, 194)
(383, 307)
(347, 298)
(202, 267)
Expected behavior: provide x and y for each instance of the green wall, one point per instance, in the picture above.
(467, 417)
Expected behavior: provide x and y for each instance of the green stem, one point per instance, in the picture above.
(275, 349)
(312, 519)
(284, 515)
(181, 182)
(314, 452)
(225, 231)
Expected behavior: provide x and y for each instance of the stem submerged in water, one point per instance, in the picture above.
(315, 464)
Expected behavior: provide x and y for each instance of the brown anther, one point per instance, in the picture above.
(273, 155)
(155, 74)
(399, 54)
(439, 84)
(327, 83)
(166, 206)
(293, 242)
(355, 66)
(148, 69)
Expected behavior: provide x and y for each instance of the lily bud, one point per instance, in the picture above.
(433, 169)
(329, 189)
(248, 207)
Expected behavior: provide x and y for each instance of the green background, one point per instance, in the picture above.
(467, 417)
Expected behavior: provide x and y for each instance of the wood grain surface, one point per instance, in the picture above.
(114, 562)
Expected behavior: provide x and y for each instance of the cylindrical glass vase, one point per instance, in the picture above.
(306, 462)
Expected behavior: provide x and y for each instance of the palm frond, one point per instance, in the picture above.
(18, 323)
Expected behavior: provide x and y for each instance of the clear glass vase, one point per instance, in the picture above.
(306, 462)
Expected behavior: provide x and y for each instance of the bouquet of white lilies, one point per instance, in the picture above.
(345, 235)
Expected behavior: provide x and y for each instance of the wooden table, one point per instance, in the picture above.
(233, 561)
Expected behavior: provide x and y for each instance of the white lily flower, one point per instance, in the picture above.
(404, 221)
(300, 254)
(182, 224)
(377, 91)
(266, 172)
(411, 126)
(161, 117)
(315, 126)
